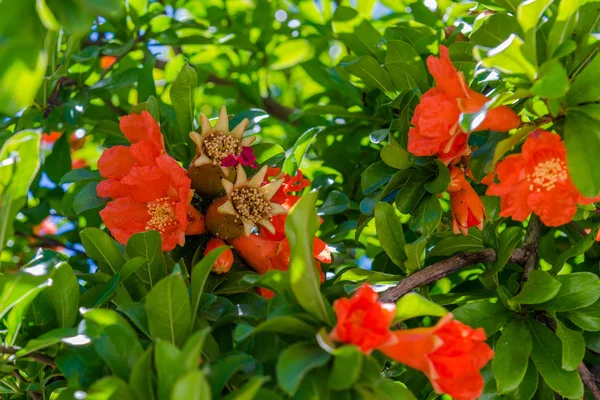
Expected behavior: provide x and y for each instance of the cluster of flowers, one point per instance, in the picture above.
(450, 353)
(536, 180)
(151, 191)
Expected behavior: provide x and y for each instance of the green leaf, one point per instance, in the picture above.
(19, 163)
(582, 139)
(495, 29)
(547, 355)
(455, 244)
(114, 340)
(297, 153)
(577, 290)
(509, 239)
(19, 287)
(169, 367)
(192, 351)
(578, 249)
(412, 191)
(539, 288)
(225, 368)
(375, 176)
(63, 294)
(482, 159)
(290, 53)
(169, 311)
(553, 82)
(390, 233)
(136, 312)
(335, 203)
(249, 390)
(413, 305)
(81, 365)
(87, 199)
(427, 216)
(282, 324)
(529, 14)
(584, 88)
(148, 246)
(573, 346)
(58, 162)
(109, 388)
(528, 385)
(200, 273)
(370, 72)
(191, 386)
(483, 314)
(47, 339)
(441, 182)
(99, 295)
(183, 99)
(507, 57)
(395, 155)
(511, 356)
(347, 364)
(103, 249)
(143, 379)
(563, 25)
(301, 226)
(275, 280)
(415, 255)
(295, 362)
(405, 66)
(587, 318)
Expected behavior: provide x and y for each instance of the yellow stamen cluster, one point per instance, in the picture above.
(251, 204)
(162, 214)
(218, 146)
(547, 174)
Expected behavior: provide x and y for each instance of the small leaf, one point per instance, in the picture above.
(441, 181)
(192, 386)
(390, 233)
(335, 203)
(183, 99)
(508, 241)
(200, 273)
(347, 364)
(577, 290)
(539, 288)
(573, 346)
(482, 314)
(295, 362)
(413, 305)
(507, 57)
(370, 72)
(582, 139)
(102, 249)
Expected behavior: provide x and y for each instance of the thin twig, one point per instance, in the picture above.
(33, 355)
(443, 268)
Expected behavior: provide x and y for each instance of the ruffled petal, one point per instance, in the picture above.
(112, 188)
(147, 183)
(445, 74)
(115, 162)
(137, 127)
(124, 217)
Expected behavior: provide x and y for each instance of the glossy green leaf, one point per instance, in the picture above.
(441, 182)
(507, 57)
(335, 203)
(143, 379)
(539, 288)
(183, 99)
(413, 305)
(573, 346)
(553, 82)
(296, 361)
(370, 72)
(192, 386)
(483, 314)
(495, 30)
(290, 53)
(582, 139)
(528, 385)
(415, 255)
(587, 318)
(286, 324)
(427, 216)
(547, 357)
(347, 364)
(511, 356)
(390, 233)
(577, 290)
(19, 163)
(103, 249)
(169, 311)
(225, 368)
(584, 88)
(148, 246)
(63, 294)
(529, 14)
(300, 228)
(169, 367)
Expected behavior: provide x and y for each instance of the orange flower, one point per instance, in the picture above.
(436, 128)
(450, 354)
(151, 191)
(466, 207)
(46, 227)
(225, 260)
(107, 61)
(362, 321)
(50, 138)
(537, 180)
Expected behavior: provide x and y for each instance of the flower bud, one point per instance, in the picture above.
(225, 261)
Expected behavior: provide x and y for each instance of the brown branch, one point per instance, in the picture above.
(589, 380)
(443, 268)
(530, 245)
(33, 355)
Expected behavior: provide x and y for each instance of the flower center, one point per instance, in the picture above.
(547, 174)
(162, 214)
(218, 145)
(251, 204)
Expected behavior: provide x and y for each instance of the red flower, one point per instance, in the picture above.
(46, 227)
(450, 354)
(50, 138)
(537, 180)
(362, 321)
(436, 127)
(151, 191)
(466, 207)
(225, 260)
